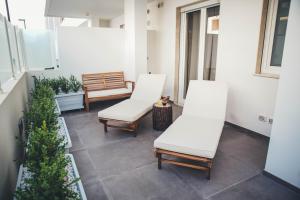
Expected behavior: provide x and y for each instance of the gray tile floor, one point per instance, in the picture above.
(119, 166)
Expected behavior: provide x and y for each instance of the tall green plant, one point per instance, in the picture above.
(55, 85)
(75, 85)
(64, 84)
(46, 163)
(41, 109)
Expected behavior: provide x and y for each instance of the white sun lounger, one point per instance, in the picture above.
(148, 90)
(195, 134)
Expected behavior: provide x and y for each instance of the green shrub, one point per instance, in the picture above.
(55, 85)
(46, 162)
(41, 109)
(64, 84)
(43, 91)
(75, 85)
(41, 81)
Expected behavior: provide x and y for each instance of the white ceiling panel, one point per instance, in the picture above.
(106, 9)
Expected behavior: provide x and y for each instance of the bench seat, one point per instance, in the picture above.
(105, 93)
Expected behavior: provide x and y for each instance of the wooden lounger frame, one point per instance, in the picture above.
(131, 126)
(207, 161)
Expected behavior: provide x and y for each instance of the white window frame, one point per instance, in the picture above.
(266, 67)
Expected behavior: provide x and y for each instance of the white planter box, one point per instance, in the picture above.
(57, 110)
(70, 101)
(63, 132)
(72, 174)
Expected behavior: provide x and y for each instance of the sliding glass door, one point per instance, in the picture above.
(198, 44)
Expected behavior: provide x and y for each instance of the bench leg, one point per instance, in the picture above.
(209, 170)
(158, 160)
(134, 127)
(104, 122)
(105, 126)
(87, 107)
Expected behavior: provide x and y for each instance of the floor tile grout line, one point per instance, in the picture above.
(106, 190)
(186, 182)
(127, 171)
(232, 185)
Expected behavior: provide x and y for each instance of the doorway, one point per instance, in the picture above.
(198, 44)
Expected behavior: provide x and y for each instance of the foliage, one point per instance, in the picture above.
(75, 85)
(55, 85)
(41, 109)
(41, 81)
(43, 91)
(59, 84)
(47, 164)
(45, 152)
(64, 84)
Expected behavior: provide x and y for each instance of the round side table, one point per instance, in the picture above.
(162, 116)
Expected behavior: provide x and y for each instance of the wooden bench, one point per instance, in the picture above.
(105, 86)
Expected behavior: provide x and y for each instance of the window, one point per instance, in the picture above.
(274, 24)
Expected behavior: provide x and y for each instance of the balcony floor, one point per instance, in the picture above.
(119, 166)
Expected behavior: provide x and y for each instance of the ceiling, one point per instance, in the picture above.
(105, 9)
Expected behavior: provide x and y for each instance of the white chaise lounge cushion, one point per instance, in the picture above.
(149, 88)
(192, 135)
(104, 93)
(197, 131)
(128, 110)
(207, 99)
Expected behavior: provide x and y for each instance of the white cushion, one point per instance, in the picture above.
(149, 87)
(192, 135)
(197, 132)
(103, 93)
(128, 110)
(207, 99)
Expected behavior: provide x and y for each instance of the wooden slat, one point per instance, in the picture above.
(181, 155)
(184, 164)
(102, 81)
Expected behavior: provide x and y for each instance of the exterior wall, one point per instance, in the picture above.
(117, 22)
(12, 105)
(249, 95)
(283, 158)
(90, 50)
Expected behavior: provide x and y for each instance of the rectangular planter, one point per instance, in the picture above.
(57, 109)
(72, 174)
(63, 132)
(70, 101)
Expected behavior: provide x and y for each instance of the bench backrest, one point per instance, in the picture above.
(103, 81)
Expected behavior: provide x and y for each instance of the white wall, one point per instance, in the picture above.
(136, 37)
(89, 50)
(283, 158)
(249, 95)
(117, 22)
(12, 105)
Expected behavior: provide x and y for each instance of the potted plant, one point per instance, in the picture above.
(71, 95)
(47, 171)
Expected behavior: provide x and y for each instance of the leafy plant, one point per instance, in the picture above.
(46, 164)
(41, 81)
(41, 109)
(55, 85)
(64, 84)
(75, 85)
(43, 91)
